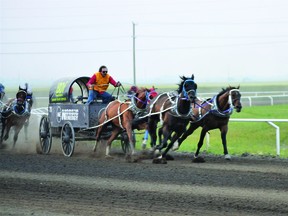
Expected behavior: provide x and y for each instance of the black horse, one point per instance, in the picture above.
(173, 111)
(15, 114)
(211, 114)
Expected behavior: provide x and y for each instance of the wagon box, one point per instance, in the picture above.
(70, 117)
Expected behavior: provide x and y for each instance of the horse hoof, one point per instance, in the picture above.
(169, 157)
(132, 158)
(108, 157)
(135, 160)
(198, 160)
(227, 157)
(175, 146)
(159, 161)
(156, 152)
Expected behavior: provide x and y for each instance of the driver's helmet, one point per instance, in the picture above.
(132, 90)
(23, 87)
(153, 92)
(21, 96)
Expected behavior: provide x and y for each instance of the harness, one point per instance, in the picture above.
(132, 107)
(173, 109)
(225, 113)
(214, 107)
(15, 109)
(215, 110)
(139, 111)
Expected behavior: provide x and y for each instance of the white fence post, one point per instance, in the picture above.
(277, 137)
(269, 121)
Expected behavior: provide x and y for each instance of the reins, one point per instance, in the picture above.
(106, 121)
(131, 107)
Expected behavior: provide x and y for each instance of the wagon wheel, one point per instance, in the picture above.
(125, 142)
(68, 139)
(45, 135)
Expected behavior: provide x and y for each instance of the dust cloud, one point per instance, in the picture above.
(31, 144)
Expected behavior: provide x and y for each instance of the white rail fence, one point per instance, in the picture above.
(247, 99)
(258, 98)
(269, 121)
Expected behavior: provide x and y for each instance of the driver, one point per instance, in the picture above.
(99, 83)
(29, 97)
(2, 91)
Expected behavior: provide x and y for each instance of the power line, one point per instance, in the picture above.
(66, 41)
(49, 28)
(214, 46)
(147, 36)
(211, 37)
(63, 52)
(146, 49)
(143, 24)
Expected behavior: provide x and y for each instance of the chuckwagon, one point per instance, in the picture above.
(70, 118)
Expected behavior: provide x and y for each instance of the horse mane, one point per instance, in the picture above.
(180, 85)
(227, 89)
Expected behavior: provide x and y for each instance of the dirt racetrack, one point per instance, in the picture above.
(85, 184)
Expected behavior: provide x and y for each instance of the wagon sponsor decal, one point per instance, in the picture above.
(70, 114)
(66, 114)
(60, 93)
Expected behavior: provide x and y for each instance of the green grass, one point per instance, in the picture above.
(245, 137)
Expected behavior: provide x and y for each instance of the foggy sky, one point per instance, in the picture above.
(216, 40)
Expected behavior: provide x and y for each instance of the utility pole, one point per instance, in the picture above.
(134, 57)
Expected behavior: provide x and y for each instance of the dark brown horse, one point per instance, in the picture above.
(212, 114)
(121, 116)
(173, 111)
(15, 114)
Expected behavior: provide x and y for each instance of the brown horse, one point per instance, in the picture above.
(211, 114)
(15, 114)
(121, 116)
(173, 111)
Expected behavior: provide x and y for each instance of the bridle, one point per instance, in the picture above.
(135, 99)
(186, 93)
(231, 100)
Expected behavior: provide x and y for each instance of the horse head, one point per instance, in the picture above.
(188, 88)
(141, 98)
(21, 97)
(235, 98)
(20, 105)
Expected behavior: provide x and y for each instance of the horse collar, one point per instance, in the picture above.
(175, 112)
(136, 110)
(215, 109)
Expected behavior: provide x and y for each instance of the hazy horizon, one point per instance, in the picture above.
(216, 40)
